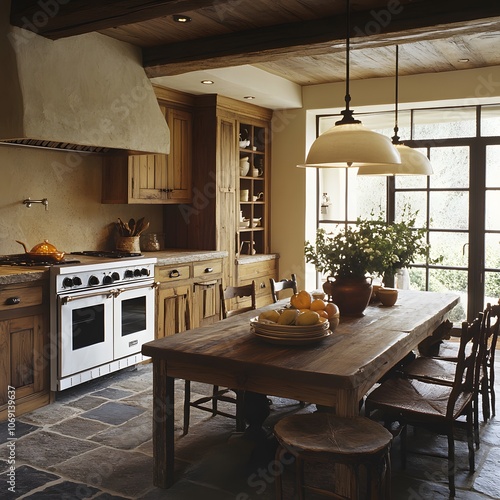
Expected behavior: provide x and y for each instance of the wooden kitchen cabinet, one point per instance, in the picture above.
(207, 277)
(252, 234)
(259, 269)
(187, 295)
(212, 221)
(24, 347)
(156, 178)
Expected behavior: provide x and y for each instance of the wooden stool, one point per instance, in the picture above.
(351, 441)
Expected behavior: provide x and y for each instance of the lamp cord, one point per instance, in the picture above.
(395, 138)
(347, 113)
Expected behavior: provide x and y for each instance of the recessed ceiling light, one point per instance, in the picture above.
(249, 97)
(463, 60)
(180, 18)
(207, 82)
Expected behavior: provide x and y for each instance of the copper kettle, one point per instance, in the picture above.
(43, 252)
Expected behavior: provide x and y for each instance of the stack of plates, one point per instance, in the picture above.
(289, 334)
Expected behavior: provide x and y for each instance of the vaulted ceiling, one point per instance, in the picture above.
(302, 41)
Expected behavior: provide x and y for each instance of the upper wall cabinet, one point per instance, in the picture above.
(156, 178)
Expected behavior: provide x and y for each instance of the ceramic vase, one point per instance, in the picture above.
(351, 294)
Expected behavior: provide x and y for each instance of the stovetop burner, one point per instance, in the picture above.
(112, 254)
(24, 261)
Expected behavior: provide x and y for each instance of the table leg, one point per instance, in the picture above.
(163, 425)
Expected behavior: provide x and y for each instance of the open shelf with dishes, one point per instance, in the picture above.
(253, 148)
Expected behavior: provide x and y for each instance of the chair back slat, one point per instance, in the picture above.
(466, 367)
(234, 292)
(279, 286)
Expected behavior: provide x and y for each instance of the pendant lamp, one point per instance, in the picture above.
(412, 162)
(348, 143)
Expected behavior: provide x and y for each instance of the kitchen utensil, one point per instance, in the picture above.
(43, 252)
(131, 225)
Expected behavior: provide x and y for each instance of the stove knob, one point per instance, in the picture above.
(137, 273)
(93, 281)
(129, 273)
(115, 276)
(77, 281)
(67, 283)
(107, 280)
(144, 272)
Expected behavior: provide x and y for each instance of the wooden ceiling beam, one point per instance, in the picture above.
(420, 20)
(53, 19)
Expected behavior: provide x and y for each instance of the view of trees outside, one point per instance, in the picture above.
(443, 200)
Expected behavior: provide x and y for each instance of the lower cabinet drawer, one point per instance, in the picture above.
(207, 269)
(172, 273)
(18, 297)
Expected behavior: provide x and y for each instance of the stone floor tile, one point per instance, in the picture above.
(111, 393)
(113, 413)
(81, 428)
(86, 403)
(125, 473)
(64, 490)
(187, 490)
(128, 436)
(50, 414)
(45, 449)
(20, 429)
(142, 399)
(486, 479)
(26, 479)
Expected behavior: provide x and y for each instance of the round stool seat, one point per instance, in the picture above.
(351, 441)
(324, 433)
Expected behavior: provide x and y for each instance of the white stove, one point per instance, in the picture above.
(102, 311)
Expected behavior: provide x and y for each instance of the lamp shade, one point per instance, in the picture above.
(351, 145)
(412, 163)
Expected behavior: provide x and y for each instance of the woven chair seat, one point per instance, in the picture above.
(418, 399)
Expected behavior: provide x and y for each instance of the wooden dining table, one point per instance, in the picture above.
(335, 372)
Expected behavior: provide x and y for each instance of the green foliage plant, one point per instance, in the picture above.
(371, 247)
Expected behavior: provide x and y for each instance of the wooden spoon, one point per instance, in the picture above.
(131, 225)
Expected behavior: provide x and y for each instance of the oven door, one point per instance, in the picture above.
(85, 331)
(134, 319)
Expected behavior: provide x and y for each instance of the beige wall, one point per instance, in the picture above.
(76, 219)
(293, 190)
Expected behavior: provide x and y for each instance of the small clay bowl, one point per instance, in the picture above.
(387, 296)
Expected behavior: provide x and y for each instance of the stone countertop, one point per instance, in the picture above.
(11, 275)
(250, 259)
(16, 274)
(174, 256)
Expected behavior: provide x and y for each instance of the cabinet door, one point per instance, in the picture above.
(24, 358)
(179, 161)
(206, 302)
(174, 315)
(148, 178)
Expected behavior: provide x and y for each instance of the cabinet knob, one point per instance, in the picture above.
(174, 273)
(263, 285)
(12, 301)
(209, 270)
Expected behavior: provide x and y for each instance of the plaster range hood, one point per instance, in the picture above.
(87, 93)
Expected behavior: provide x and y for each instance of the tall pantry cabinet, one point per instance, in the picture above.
(225, 202)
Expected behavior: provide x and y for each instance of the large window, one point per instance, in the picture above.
(458, 204)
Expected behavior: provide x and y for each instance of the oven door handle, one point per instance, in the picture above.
(70, 298)
(118, 291)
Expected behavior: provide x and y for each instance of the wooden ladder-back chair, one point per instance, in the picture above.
(279, 286)
(434, 406)
(441, 370)
(488, 364)
(231, 293)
